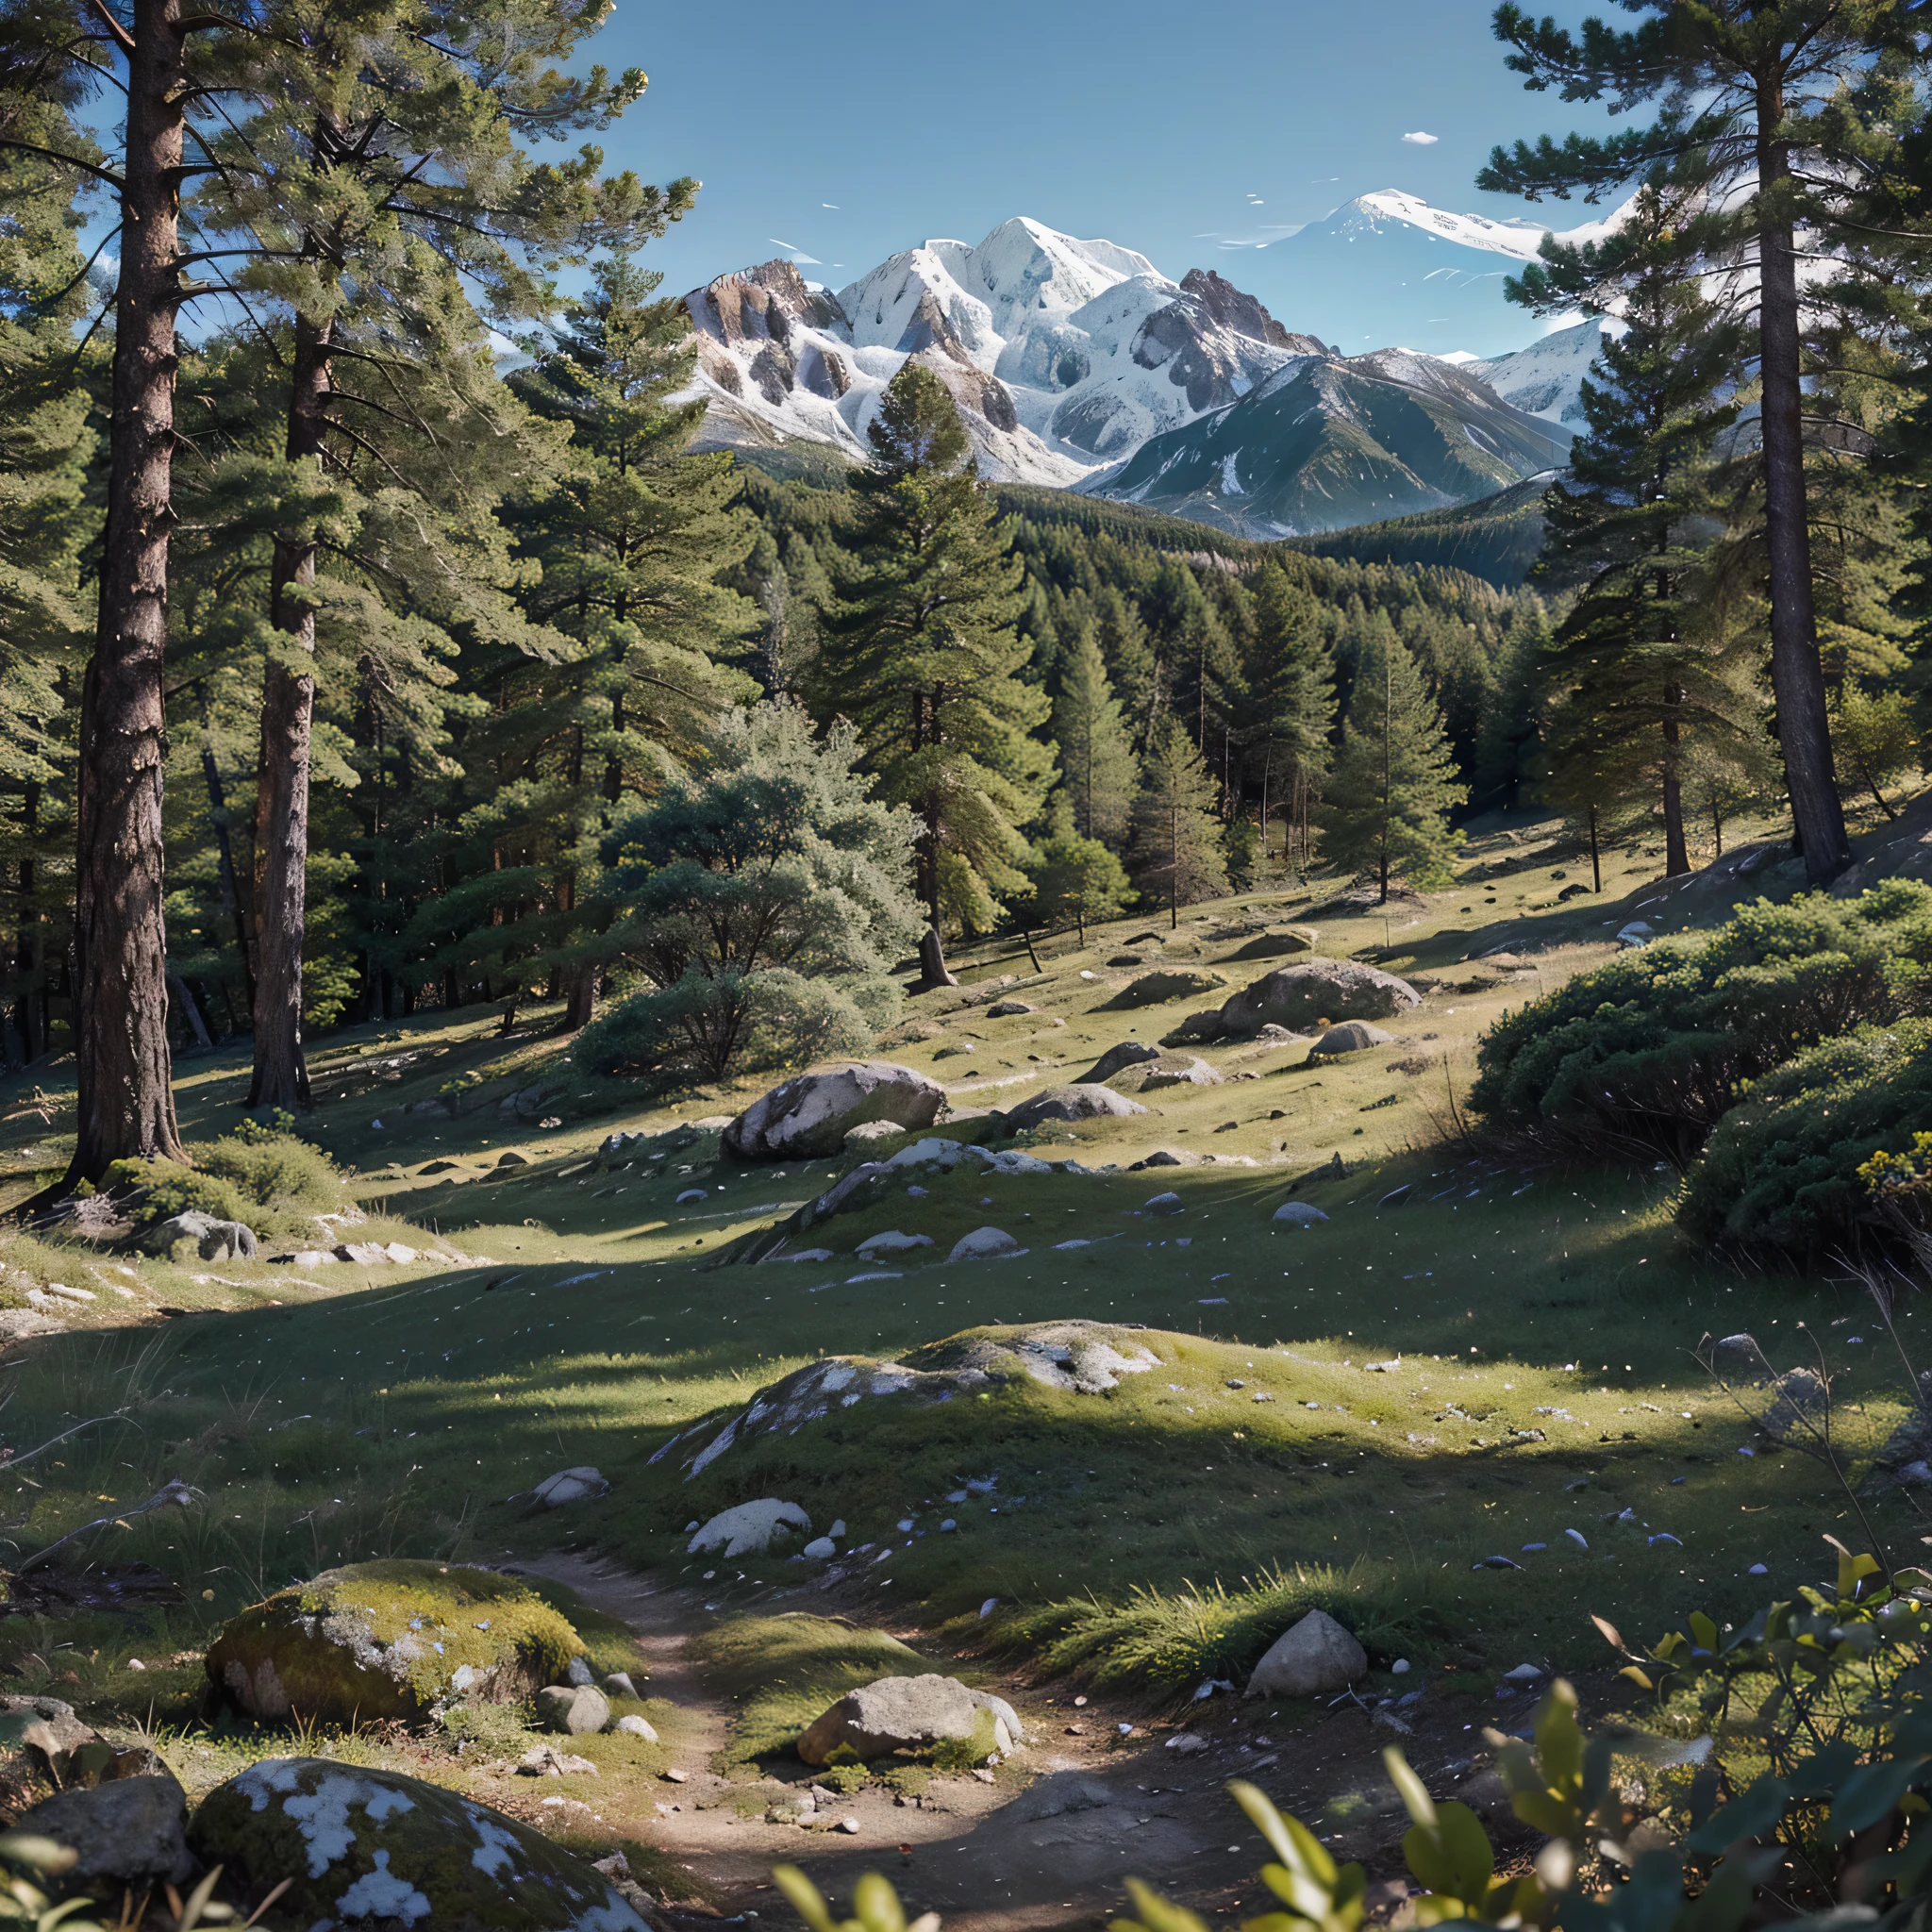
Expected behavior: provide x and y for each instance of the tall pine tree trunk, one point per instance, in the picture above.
(224, 852)
(1676, 847)
(1797, 677)
(287, 716)
(933, 970)
(125, 1103)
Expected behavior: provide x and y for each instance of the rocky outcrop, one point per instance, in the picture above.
(378, 1850)
(809, 1116)
(1084, 1102)
(201, 1237)
(389, 1640)
(1242, 314)
(1352, 1035)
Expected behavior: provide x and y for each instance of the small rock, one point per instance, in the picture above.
(215, 1239)
(576, 1709)
(1312, 1659)
(1524, 1673)
(1352, 1035)
(635, 1727)
(1007, 1010)
(1298, 1214)
(891, 1242)
(849, 1826)
(620, 1681)
(546, 1760)
(512, 1159)
(131, 1831)
(748, 1529)
(1187, 1744)
(691, 1196)
(579, 1672)
(569, 1485)
(672, 1776)
(986, 1244)
(822, 1549)
(1163, 1204)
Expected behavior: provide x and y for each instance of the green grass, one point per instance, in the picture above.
(344, 1414)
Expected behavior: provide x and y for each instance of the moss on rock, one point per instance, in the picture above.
(373, 1849)
(393, 1639)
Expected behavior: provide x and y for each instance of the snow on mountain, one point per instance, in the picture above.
(1546, 378)
(1387, 267)
(1065, 356)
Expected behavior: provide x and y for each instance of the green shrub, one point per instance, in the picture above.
(272, 1180)
(774, 1018)
(1782, 1171)
(1653, 1047)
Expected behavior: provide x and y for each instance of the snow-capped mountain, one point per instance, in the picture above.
(1546, 378)
(1065, 356)
(1343, 440)
(1387, 267)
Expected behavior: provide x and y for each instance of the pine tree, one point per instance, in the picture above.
(1385, 814)
(1639, 667)
(921, 655)
(1288, 707)
(1096, 759)
(1763, 148)
(1177, 849)
(1509, 752)
(631, 543)
(1077, 878)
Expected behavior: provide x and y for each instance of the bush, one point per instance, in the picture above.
(1782, 1171)
(275, 1181)
(701, 1024)
(1653, 1047)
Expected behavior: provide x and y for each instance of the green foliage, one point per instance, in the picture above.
(1786, 1172)
(1096, 758)
(1385, 813)
(1076, 879)
(921, 656)
(275, 1181)
(28, 1863)
(764, 894)
(1178, 855)
(1654, 1046)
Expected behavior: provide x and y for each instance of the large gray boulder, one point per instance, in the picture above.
(1317, 990)
(579, 1710)
(1084, 1102)
(1315, 1658)
(985, 1244)
(214, 1239)
(909, 1714)
(376, 1850)
(810, 1117)
(1116, 1059)
(131, 1831)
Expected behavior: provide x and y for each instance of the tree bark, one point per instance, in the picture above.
(1797, 677)
(1676, 847)
(288, 717)
(224, 851)
(126, 1104)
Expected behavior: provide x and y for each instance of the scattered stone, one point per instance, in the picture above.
(931, 1152)
(375, 1848)
(1314, 1658)
(366, 1254)
(510, 1157)
(635, 1727)
(849, 1826)
(52, 1728)
(1738, 1356)
(1802, 1399)
(1299, 1214)
(1164, 1156)
(211, 1238)
(810, 1115)
(578, 1708)
(691, 1197)
(806, 1254)
(907, 1714)
(578, 1485)
(546, 1760)
(18, 1324)
(1352, 1035)
(400, 1253)
(672, 1776)
(1635, 933)
(1325, 991)
(1163, 1204)
(1156, 989)
(1173, 1070)
(1081, 1102)
(620, 1681)
(1007, 1010)
(822, 1549)
(1127, 960)
(749, 1529)
(869, 1133)
(1187, 1744)
(129, 1831)
(393, 1639)
(1495, 1563)
(891, 1242)
(986, 1244)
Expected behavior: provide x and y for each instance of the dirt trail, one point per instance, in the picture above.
(988, 1858)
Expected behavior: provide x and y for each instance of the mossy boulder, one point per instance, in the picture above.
(373, 1849)
(396, 1639)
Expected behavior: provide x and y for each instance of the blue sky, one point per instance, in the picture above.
(1189, 131)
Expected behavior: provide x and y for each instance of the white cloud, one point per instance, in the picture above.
(796, 252)
(832, 205)
(1421, 140)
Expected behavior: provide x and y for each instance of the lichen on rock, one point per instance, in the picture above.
(375, 1849)
(387, 1641)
